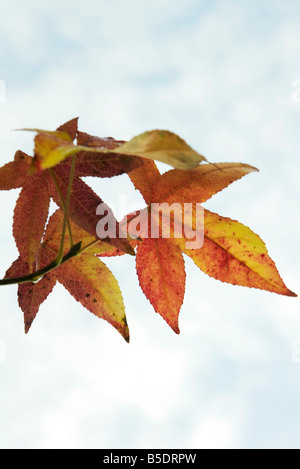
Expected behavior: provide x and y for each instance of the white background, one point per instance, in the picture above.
(221, 75)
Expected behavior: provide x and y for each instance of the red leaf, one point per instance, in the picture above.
(105, 165)
(13, 174)
(107, 143)
(161, 273)
(30, 295)
(145, 178)
(30, 216)
(83, 207)
(70, 127)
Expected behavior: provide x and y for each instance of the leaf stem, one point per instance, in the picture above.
(35, 276)
(59, 256)
(53, 175)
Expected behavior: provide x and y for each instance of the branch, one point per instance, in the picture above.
(35, 276)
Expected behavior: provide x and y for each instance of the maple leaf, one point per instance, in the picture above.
(66, 248)
(30, 216)
(30, 295)
(53, 147)
(70, 127)
(100, 164)
(163, 146)
(231, 252)
(14, 173)
(83, 205)
(161, 273)
(32, 206)
(83, 201)
(86, 277)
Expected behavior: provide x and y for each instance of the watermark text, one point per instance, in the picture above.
(158, 220)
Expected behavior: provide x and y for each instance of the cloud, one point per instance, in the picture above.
(221, 77)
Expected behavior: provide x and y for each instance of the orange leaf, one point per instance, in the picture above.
(161, 273)
(240, 258)
(14, 173)
(199, 184)
(144, 179)
(30, 216)
(30, 295)
(231, 252)
(85, 277)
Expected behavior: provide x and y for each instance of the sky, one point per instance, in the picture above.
(225, 76)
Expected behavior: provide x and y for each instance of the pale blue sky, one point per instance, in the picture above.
(220, 75)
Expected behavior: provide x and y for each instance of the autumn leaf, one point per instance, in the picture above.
(70, 127)
(95, 156)
(52, 239)
(86, 277)
(67, 248)
(199, 184)
(30, 295)
(101, 164)
(92, 284)
(230, 251)
(106, 143)
(164, 146)
(83, 206)
(145, 178)
(53, 147)
(14, 173)
(161, 274)
(30, 216)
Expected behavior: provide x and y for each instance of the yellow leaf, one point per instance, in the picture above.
(234, 254)
(91, 283)
(164, 146)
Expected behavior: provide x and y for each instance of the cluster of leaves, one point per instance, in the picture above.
(65, 248)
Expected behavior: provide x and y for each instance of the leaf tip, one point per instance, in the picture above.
(291, 293)
(130, 250)
(27, 325)
(70, 127)
(125, 331)
(174, 326)
(127, 338)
